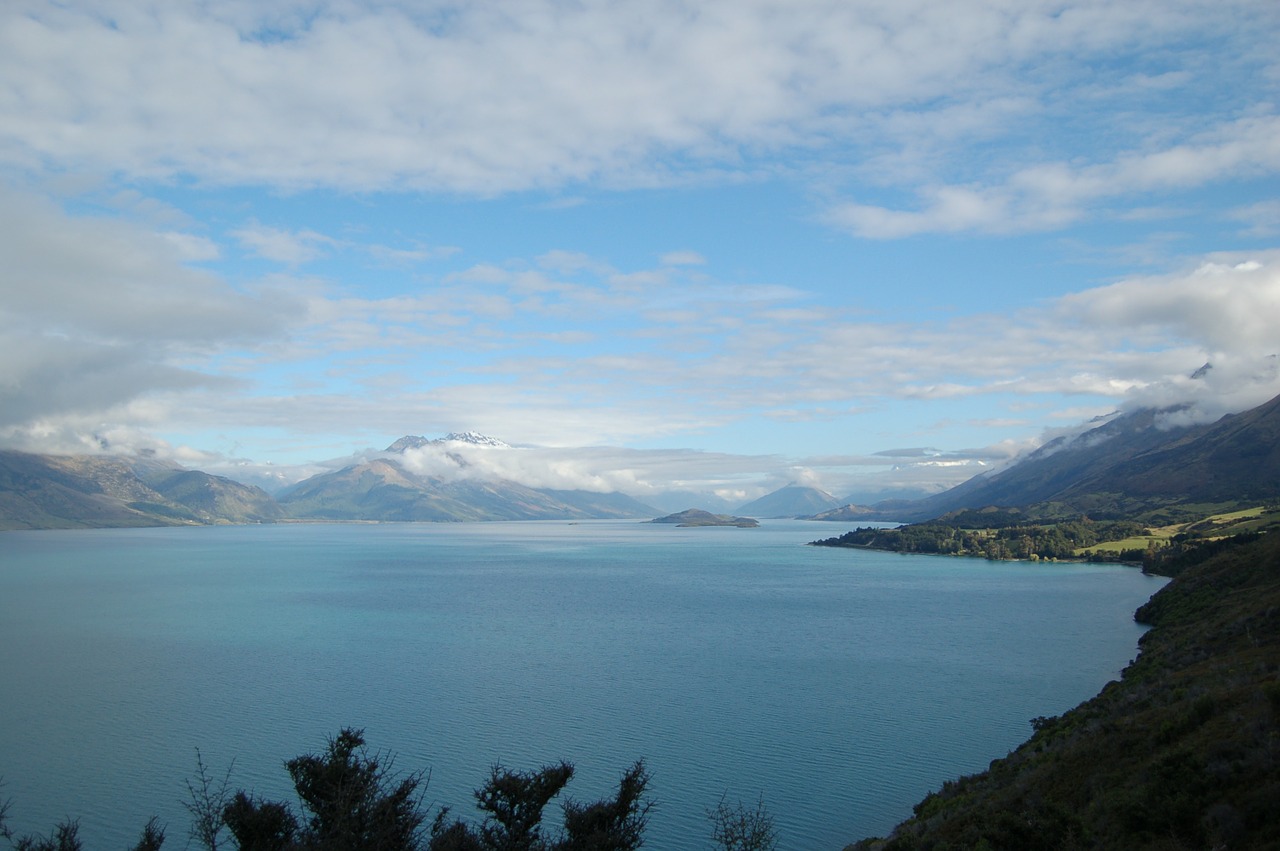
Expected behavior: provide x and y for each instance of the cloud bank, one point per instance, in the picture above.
(492, 97)
(97, 313)
(233, 230)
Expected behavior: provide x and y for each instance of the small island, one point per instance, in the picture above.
(698, 517)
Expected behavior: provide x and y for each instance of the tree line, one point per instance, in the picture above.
(350, 799)
(1018, 541)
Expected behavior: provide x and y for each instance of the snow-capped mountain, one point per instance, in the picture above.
(412, 441)
(472, 437)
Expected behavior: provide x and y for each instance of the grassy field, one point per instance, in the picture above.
(1253, 519)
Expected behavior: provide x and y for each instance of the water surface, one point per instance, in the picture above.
(839, 685)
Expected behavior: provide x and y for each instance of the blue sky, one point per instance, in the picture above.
(713, 245)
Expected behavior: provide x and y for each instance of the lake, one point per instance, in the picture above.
(839, 686)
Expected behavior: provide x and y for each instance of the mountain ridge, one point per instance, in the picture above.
(792, 500)
(1131, 465)
(384, 489)
(91, 491)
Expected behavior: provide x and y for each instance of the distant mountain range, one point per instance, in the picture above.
(791, 501)
(1128, 466)
(90, 491)
(385, 489)
(1132, 465)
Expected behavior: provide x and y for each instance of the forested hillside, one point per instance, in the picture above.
(1182, 752)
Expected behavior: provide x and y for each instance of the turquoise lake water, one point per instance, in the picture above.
(840, 686)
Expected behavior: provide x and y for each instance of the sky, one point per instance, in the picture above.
(717, 246)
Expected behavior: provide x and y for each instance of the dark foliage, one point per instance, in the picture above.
(742, 828)
(1183, 752)
(66, 836)
(987, 534)
(260, 825)
(205, 802)
(152, 836)
(1185, 551)
(514, 802)
(610, 825)
(350, 801)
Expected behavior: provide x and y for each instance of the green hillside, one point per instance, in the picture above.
(1182, 753)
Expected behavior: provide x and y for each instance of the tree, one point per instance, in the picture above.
(514, 802)
(741, 828)
(152, 836)
(66, 835)
(207, 801)
(260, 825)
(616, 825)
(353, 801)
(350, 799)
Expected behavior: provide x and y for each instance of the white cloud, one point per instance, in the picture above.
(600, 469)
(897, 117)
(594, 375)
(651, 473)
(292, 247)
(491, 97)
(1261, 219)
(1225, 305)
(1054, 194)
(682, 258)
(193, 248)
(111, 280)
(95, 313)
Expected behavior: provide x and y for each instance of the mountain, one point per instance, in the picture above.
(51, 492)
(92, 491)
(1132, 465)
(413, 441)
(848, 512)
(601, 505)
(790, 501)
(409, 441)
(888, 494)
(383, 489)
(673, 501)
(212, 498)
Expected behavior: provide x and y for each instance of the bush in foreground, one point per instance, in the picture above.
(350, 799)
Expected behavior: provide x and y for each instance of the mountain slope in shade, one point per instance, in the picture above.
(602, 505)
(848, 512)
(90, 491)
(790, 501)
(1132, 465)
(213, 498)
